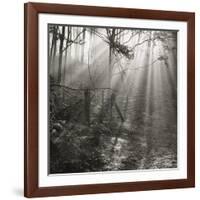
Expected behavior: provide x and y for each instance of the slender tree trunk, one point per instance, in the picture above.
(65, 66)
(101, 113)
(53, 62)
(76, 45)
(119, 112)
(53, 43)
(83, 46)
(60, 55)
(109, 81)
(102, 98)
(110, 68)
(70, 57)
(52, 49)
(126, 107)
(66, 53)
(87, 106)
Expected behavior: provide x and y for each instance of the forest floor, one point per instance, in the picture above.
(82, 151)
(132, 152)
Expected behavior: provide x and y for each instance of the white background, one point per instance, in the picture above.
(11, 99)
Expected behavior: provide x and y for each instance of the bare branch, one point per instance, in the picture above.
(135, 68)
(74, 41)
(80, 89)
(131, 37)
(101, 35)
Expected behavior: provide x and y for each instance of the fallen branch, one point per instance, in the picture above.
(79, 89)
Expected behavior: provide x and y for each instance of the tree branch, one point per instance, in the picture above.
(79, 89)
(135, 68)
(74, 41)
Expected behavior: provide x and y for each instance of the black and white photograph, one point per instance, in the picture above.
(112, 99)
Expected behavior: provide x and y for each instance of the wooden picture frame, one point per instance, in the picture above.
(31, 102)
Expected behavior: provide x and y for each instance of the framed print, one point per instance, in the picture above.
(109, 99)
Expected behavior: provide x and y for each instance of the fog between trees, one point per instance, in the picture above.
(112, 99)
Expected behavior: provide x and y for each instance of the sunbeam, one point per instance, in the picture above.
(113, 98)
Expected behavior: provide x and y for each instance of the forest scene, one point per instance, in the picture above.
(112, 99)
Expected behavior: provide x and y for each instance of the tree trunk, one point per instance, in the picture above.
(101, 113)
(83, 46)
(87, 106)
(65, 66)
(111, 38)
(66, 53)
(126, 108)
(53, 62)
(119, 112)
(70, 71)
(53, 43)
(102, 98)
(62, 36)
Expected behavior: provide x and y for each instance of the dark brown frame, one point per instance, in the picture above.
(31, 188)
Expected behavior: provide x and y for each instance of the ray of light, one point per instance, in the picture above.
(83, 67)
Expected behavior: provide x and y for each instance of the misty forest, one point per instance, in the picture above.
(112, 99)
